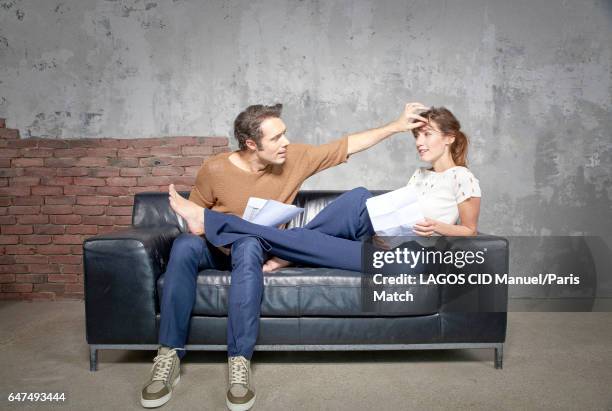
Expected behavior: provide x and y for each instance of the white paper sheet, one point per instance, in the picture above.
(393, 214)
(269, 212)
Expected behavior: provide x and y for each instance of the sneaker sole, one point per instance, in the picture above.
(160, 401)
(240, 407)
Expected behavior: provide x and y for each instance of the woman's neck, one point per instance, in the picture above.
(442, 164)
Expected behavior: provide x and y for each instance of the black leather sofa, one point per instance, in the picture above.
(303, 308)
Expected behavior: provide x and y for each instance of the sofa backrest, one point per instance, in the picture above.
(153, 208)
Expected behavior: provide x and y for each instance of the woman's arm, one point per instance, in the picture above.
(468, 213)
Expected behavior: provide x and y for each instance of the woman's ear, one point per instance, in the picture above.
(449, 139)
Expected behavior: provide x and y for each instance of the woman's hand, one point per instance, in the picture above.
(425, 228)
(380, 243)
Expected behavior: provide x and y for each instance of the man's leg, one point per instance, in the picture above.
(246, 291)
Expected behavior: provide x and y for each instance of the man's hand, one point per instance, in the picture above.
(410, 119)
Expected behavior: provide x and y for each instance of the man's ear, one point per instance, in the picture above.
(251, 145)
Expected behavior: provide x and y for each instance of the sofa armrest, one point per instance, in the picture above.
(120, 272)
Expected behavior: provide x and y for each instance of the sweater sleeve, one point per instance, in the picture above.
(202, 193)
(321, 157)
(466, 185)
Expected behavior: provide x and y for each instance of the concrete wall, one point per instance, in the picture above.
(529, 80)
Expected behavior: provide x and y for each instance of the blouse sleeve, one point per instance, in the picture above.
(466, 185)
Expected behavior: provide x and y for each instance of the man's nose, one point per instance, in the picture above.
(285, 141)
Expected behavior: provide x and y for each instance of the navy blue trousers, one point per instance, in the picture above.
(331, 239)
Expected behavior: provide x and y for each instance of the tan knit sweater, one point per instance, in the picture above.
(222, 186)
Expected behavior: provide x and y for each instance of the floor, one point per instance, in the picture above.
(551, 361)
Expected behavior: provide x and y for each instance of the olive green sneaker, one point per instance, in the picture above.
(165, 374)
(240, 395)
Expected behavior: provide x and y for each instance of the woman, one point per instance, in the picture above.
(448, 192)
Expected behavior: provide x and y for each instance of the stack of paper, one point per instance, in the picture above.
(269, 212)
(393, 214)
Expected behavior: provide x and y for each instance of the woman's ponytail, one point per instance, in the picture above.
(459, 149)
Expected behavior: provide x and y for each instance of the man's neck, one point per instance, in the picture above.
(247, 161)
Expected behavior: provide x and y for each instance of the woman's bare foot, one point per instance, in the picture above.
(274, 264)
(192, 213)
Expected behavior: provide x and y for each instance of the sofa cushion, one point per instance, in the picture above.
(304, 292)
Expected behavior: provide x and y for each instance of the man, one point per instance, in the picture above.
(266, 166)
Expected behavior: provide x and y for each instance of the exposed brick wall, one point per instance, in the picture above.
(56, 193)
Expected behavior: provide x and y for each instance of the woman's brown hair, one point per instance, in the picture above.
(448, 124)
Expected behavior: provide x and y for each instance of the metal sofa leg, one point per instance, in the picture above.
(499, 357)
(93, 359)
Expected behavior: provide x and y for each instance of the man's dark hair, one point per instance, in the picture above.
(247, 124)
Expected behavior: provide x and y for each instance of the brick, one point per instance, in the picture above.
(10, 239)
(31, 259)
(65, 219)
(74, 288)
(49, 229)
(102, 152)
(89, 181)
(134, 152)
(11, 296)
(122, 201)
(73, 172)
(60, 162)
(92, 200)
(56, 200)
(214, 141)
(57, 209)
(5, 201)
(70, 152)
(104, 172)
(7, 259)
(16, 229)
(9, 153)
(135, 172)
(136, 190)
(47, 190)
(187, 161)
(123, 162)
(119, 211)
(62, 278)
(114, 143)
(43, 268)
(84, 142)
(39, 296)
(121, 181)
(18, 249)
(13, 268)
(79, 190)
(36, 152)
(51, 143)
(3, 182)
(40, 171)
(150, 142)
(14, 191)
(166, 151)
(92, 162)
(156, 161)
(155, 181)
(7, 278)
(217, 150)
(107, 229)
(196, 150)
(29, 200)
(53, 249)
(184, 180)
(57, 288)
(33, 219)
(184, 141)
(9, 133)
(123, 220)
(98, 220)
(2, 123)
(30, 278)
(36, 239)
(76, 249)
(11, 172)
(72, 269)
(17, 287)
(82, 229)
(192, 171)
(65, 259)
(5, 162)
(57, 181)
(167, 171)
(113, 191)
(15, 210)
(88, 210)
(68, 239)
(24, 181)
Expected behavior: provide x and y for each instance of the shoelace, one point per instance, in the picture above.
(239, 372)
(162, 364)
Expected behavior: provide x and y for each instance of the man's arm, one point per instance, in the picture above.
(365, 139)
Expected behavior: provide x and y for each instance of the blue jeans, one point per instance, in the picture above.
(331, 239)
